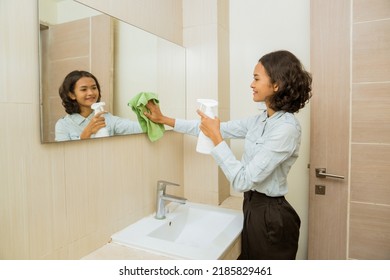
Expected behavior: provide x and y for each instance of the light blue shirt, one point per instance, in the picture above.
(71, 126)
(271, 147)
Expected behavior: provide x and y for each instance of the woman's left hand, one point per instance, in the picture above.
(97, 122)
(210, 127)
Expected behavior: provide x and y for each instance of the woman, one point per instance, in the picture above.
(272, 140)
(79, 90)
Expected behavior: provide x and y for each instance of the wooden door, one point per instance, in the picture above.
(350, 61)
(330, 115)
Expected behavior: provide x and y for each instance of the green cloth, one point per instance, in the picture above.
(138, 104)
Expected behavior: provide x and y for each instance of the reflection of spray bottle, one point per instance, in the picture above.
(98, 107)
(204, 144)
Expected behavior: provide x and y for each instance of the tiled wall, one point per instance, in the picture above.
(64, 200)
(205, 36)
(369, 236)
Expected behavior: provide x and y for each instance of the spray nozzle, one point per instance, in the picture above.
(207, 106)
(98, 107)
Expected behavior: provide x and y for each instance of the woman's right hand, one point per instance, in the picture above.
(96, 123)
(210, 127)
(156, 116)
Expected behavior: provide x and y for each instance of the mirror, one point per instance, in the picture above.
(125, 60)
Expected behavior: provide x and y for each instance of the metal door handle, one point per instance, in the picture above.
(321, 173)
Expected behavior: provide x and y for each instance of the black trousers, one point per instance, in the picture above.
(270, 230)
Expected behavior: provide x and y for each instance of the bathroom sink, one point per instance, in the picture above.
(189, 231)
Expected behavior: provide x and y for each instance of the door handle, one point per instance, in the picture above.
(321, 173)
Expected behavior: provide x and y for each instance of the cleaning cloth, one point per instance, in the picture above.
(138, 104)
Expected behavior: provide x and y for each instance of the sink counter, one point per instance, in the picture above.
(114, 251)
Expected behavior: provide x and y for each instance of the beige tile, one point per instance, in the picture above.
(370, 173)
(369, 232)
(371, 51)
(47, 202)
(233, 202)
(223, 14)
(70, 40)
(197, 13)
(370, 113)
(206, 40)
(64, 200)
(15, 180)
(364, 10)
(200, 175)
(18, 53)
(86, 244)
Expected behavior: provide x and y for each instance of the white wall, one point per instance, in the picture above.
(256, 28)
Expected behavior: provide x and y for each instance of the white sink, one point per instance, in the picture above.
(190, 231)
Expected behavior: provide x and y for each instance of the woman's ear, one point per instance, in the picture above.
(275, 87)
(71, 95)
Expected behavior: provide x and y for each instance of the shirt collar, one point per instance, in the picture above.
(79, 119)
(274, 117)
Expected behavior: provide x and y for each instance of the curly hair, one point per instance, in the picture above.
(71, 106)
(294, 82)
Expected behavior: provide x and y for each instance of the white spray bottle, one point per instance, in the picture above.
(208, 107)
(98, 107)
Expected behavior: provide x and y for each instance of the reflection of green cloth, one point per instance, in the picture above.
(138, 104)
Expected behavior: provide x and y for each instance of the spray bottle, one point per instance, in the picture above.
(208, 107)
(98, 107)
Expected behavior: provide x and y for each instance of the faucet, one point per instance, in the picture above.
(162, 197)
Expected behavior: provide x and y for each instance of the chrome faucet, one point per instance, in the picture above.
(162, 197)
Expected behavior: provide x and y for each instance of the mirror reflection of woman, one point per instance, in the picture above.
(79, 90)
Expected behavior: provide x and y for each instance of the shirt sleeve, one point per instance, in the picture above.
(124, 126)
(190, 127)
(61, 131)
(231, 129)
(265, 158)
(234, 129)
